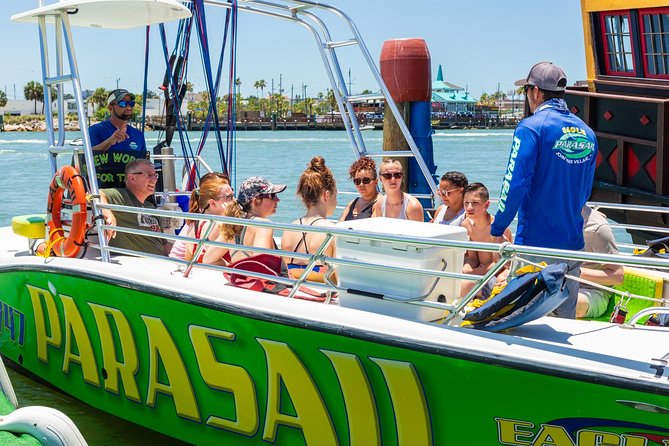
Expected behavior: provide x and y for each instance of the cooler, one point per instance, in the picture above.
(366, 287)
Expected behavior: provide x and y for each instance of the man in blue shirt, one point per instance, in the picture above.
(549, 174)
(115, 143)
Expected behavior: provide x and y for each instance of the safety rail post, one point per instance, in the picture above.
(85, 137)
(44, 57)
(198, 249)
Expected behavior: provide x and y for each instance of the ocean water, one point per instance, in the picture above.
(280, 156)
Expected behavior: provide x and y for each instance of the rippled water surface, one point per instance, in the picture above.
(281, 156)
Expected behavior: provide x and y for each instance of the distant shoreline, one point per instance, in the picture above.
(37, 125)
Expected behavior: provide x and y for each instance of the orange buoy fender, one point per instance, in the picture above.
(405, 69)
(67, 178)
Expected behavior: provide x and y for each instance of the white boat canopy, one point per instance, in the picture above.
(111, 14)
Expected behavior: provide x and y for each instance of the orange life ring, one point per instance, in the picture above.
(66, 178)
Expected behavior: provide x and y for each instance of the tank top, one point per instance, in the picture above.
(455, 221)
(366, 212)
(303, 240)
(198, 234)
(403, 211)
(239, 240)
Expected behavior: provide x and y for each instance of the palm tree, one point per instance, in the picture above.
(332, 101)
(260, 84)
(308, 105)
(99, 98)
(238, 84)
(33, 92)
(3, 98)
(52, 92)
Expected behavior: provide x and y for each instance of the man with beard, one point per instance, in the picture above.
(140, 185)
(115, 143)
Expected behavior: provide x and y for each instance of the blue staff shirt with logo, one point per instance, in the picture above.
(548, 178)
(110, 165)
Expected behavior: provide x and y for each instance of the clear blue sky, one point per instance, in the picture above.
(479, 43)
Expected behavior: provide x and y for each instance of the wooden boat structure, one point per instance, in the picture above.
(626, 103)
(381, 358)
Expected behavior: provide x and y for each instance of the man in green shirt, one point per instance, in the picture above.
(140, 184)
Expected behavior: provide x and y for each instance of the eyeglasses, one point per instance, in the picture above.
(153, 175)
(358, 181)
(396, 175)
(444, 192)
(527, 87)
(124, 104)
(271, 196)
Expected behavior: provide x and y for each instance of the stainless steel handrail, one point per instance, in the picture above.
(507, 251)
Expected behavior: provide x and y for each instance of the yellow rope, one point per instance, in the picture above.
(49, 245)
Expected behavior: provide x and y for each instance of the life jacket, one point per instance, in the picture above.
(525, 298)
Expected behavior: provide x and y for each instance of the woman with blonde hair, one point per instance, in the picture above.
(395, 203)
(318, 190)
(209, 198)
(178, 250)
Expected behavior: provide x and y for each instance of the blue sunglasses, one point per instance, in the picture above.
(124, 104)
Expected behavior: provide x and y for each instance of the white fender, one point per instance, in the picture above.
(50, 426)
(6, 385)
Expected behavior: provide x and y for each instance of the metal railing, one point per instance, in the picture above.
(507, 252)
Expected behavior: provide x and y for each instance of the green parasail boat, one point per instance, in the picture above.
(380, 357)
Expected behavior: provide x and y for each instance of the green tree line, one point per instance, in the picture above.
(270, 103)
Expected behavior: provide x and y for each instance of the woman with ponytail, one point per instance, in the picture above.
(318, 190)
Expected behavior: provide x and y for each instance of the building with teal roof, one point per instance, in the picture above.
(450, 98)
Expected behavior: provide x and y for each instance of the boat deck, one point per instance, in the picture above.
(599, 351)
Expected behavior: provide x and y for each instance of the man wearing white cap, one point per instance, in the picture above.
(115, 143)
(549, 174)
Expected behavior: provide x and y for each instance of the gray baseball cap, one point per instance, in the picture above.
(255, 186)
(118, 95)
(546, 76)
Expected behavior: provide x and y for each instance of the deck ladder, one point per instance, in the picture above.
(63, 35)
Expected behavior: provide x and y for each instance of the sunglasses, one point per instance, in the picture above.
(396, 175)
(359, 181)
(444, 192)
(527, 87)
(272, 196)
(124, 104)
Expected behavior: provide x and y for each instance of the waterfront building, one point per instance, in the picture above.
(451, 99)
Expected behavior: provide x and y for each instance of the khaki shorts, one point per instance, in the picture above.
(598, 301)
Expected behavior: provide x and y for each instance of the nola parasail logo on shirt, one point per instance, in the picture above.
(574, 147)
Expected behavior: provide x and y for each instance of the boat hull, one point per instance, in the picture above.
(212, 372)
